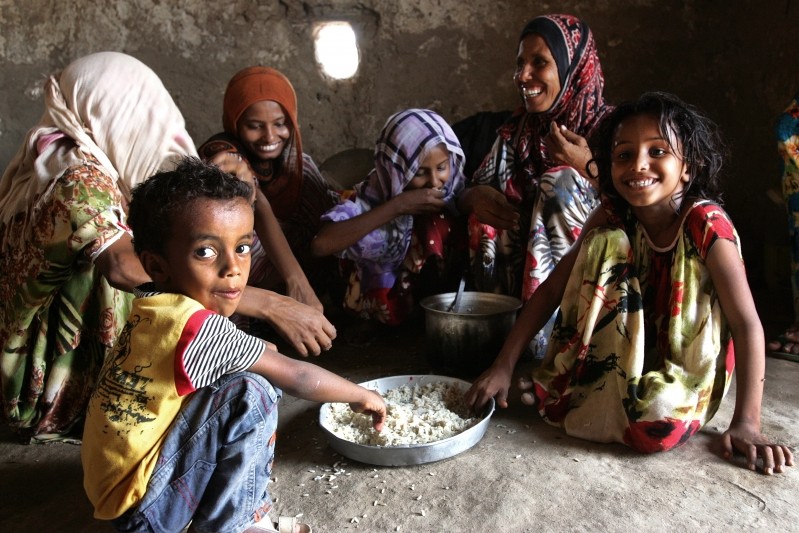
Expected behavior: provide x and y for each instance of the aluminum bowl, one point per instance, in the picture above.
(411, 454)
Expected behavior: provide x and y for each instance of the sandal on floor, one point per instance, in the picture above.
(285, 524)
(785, 355)
(290, 524)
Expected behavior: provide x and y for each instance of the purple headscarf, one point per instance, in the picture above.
(404, 141)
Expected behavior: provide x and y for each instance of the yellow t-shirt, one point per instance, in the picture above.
(170, 346)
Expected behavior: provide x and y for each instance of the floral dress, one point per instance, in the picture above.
(436, 241)
(788, 147)
(410, 256)
(58, 316)
(641, 353)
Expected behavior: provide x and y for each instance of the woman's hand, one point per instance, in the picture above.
(493, 383)
(746, 439)
(300, 289)
(490, 207)
(305, 328)
(120, 265)
(233, 163)
(568, 148)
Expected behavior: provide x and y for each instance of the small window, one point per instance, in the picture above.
(336, 49)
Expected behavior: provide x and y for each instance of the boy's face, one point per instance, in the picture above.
(208, 255)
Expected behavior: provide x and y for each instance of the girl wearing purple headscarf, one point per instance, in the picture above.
(399, 218)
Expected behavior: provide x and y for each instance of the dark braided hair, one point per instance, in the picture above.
(156, 199)
(702, 148)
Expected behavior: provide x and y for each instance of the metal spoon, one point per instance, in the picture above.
(458, 295)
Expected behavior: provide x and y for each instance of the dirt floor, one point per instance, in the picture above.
(523, 476)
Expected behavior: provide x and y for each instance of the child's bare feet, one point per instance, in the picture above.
(786, 345)
(526, 385)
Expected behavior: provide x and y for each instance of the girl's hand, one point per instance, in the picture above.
(233, 163)
(424, 201)
(492, 207)
(493, 383)
(373, 405)
(747, 440)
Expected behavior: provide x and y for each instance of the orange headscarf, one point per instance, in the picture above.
(255, 84)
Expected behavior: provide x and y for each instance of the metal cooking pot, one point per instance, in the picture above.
(465, 341)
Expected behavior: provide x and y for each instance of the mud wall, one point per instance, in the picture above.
(734, 59)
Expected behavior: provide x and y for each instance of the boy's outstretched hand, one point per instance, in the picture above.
(748, 441)
(373, 405)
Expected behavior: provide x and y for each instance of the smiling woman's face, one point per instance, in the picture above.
(536, 74)
(264, 129)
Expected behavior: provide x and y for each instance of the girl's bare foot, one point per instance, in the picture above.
(787, 343)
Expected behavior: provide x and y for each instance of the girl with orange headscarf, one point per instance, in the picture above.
(262, 142)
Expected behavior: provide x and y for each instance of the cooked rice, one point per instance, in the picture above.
(416, 414)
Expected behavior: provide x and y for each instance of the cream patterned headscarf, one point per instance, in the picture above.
(116, 110)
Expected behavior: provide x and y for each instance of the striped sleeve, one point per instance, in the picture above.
(213, 346)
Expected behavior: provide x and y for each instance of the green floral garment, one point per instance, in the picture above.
(58, 316)
(788, 148)
(641, 353)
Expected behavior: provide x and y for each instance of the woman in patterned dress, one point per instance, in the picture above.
(65, 252)
(531, 196)
(652, 299)
(787, 344)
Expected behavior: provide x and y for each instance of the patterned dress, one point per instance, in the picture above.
(788, 148)
(384, 266)
(641, 353)
(436, 241)
(553, 201)
(58, 316)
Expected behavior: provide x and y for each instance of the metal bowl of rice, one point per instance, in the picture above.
(345, 429)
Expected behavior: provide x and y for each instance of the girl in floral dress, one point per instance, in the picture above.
(655, 307)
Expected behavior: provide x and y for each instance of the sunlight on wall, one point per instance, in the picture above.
(336, 49)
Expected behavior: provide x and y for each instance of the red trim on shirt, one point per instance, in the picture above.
(182, 382)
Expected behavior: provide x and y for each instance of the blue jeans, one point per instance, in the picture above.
(215, 462)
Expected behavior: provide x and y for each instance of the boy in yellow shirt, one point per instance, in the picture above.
(181, 427)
